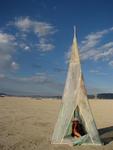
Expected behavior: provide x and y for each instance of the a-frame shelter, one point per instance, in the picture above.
(75, 104)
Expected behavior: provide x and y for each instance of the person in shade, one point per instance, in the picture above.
(76, 128)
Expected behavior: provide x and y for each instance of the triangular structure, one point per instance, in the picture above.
(75, 103)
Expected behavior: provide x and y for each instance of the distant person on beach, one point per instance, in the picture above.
(77, 130)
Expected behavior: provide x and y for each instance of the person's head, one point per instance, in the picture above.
(75, 121)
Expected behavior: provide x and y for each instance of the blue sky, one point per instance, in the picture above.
(35, 41)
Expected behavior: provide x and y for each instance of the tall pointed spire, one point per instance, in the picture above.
(75, 100)
(74, 49)
(74, 33)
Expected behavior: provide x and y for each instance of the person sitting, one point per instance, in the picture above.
(76, 128)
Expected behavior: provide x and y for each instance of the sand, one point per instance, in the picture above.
(27, 124)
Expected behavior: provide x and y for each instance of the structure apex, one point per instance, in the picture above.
(75, 31)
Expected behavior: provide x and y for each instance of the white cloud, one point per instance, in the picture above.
(107, 45)
(14, 65)
(91, 47)
(38, 27)
(105, 55)
(92, 40)
(7, 48)
(27, 48)
(104, 51)
(24, 46)
(44, 45)
(41, 29)
(25, 27)
(23, 23)
(6, 38)
(89, 54)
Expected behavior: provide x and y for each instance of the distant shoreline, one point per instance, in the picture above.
(97, 96)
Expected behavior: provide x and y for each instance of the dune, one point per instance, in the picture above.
(27, 124)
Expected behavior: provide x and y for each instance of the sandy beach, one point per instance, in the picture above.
(27, 124)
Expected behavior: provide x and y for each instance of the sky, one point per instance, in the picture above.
(35, 41)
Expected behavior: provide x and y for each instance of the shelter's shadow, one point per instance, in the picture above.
(106, 134)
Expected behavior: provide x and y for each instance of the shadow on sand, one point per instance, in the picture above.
(106, 134)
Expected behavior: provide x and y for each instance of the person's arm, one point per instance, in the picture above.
(76, 133)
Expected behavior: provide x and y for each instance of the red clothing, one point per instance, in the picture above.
(75, 128)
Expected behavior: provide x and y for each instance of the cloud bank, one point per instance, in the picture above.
(42, 30)
(7, 48)
(24, 29)
(91, 47)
